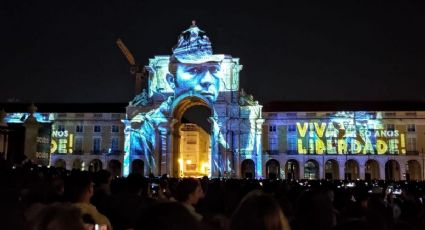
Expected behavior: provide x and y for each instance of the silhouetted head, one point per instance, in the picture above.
(259, 211)
(189, 190)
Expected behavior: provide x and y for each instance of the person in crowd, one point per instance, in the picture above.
(189, 192)
(314, 210)
(55, 216)
(259, 211)
(79, 190)
(126, 207)
(102, 190)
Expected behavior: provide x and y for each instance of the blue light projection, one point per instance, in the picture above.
(193, 72)
(21, 117)
(194, 76)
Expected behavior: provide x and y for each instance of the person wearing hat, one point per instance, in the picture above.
(193, 66)
(193, 71)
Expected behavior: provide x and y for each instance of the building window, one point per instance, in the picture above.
(61, 128)
(272, 128)
(96, 128)
(97, 115)
(292, 144)
(114, 144)
(115, 116)
(390, 127)
(78, 146)
(292, 128)
(79, 128)
(62, 115)
(411, 114)
(115, 129)
(272, 143)
(79, 115)
(411, 144)
(96, 144)
(411, 128)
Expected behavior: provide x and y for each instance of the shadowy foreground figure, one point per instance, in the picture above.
(259, 211)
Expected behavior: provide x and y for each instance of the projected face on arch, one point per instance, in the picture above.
(201, 79)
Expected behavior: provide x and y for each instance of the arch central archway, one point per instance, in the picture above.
(352, 170)
(138, 166)
(392, 170)
(272, 169)
(95, 165)
(292, 170)
(192, 138)
(78, 164)
(311, 170)
(372, 170)
(248, 169)
(331, 170)
(413, 170)
(114, 166)
(60, 163)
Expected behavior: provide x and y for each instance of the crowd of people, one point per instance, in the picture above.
(36, 197)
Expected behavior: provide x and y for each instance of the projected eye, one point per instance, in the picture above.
(194, 70)
(214, 69)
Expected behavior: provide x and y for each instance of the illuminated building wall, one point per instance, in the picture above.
(87, 141)
(297, 145)
(338, 145)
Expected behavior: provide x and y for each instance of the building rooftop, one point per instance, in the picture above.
(284, 106)
(66, 108)
(276, 106)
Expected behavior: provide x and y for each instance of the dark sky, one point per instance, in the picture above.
(64, 51)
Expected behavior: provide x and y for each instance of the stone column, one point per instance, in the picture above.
(362, 171)
(341, 165)
(216, 166)
(321, 170)
(31, 132)
(382, 170)
(172, 166)
(258, 148)
(164, 134)
(127, 158)
(301, 165)
(237, 155)
(402, 169)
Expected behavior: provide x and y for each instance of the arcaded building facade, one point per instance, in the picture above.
(344, 145)
(294, 145)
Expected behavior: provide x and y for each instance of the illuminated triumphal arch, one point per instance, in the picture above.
(192, 119)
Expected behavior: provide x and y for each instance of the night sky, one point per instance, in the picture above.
(65, 51)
